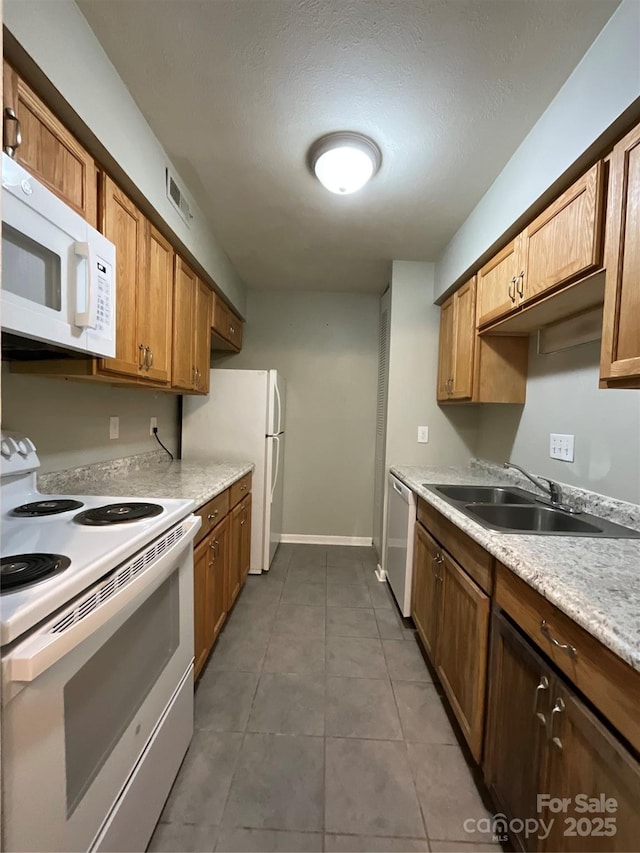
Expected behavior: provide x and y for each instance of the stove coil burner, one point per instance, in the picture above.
(24, 569)
(118, 513)
(42, 508)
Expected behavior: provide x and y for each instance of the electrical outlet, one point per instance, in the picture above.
(561, 446)
(423, 435)
(114, 427)
(153, 424)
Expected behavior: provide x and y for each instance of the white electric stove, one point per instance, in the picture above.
(96, 628)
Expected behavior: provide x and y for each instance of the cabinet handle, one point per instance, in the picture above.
(149, 358)
(542, 686)
(10, 148)
(565, 647)
(231, 329)
(243, 488)
(212, 515)
(520, 288)
(512, 293)
(215, 547)
(437, 560)
(558, 708)
(142, 354)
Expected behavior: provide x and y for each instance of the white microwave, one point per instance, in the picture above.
(58, 273)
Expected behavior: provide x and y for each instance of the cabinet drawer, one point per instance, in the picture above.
(476, 561)
(212, 513)
(605, 679)
(240, 489)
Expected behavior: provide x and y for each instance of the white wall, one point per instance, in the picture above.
(325, 345)
(603, 85)
(413, 361)
(563, 397)
(69, 421)
(58, 38)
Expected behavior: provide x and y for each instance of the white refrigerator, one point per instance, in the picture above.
(242, 420)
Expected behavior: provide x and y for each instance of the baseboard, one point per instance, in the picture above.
(313, 539)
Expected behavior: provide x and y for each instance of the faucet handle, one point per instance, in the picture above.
(555, 491)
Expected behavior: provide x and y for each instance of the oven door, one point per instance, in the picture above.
(84, 694)
(58, 273)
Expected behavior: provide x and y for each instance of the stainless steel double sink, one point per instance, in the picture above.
(509, 509)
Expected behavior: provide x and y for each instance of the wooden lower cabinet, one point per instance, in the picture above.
(240, 548)
(211, 566)
(425, 593)
(517, 714)
(543, 741)
(451, 614)
(461, 652)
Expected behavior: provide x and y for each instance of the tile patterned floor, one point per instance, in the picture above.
(317, 725)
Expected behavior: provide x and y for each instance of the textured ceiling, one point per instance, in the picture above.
(237, 90)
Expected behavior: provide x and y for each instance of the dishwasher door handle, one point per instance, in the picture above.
(397, 488)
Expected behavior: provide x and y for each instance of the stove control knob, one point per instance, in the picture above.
(23, 450)
(6, 449)
(30, 445)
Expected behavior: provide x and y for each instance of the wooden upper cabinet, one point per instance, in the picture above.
(226, 326)
(202, 341)
(184, 296)
(155, 306)
(565, 241)
(561, 246)
(474, 369)
(620, 357)
(445, 348)
(191, 331)
(497, 284)
(48, 151)
(457, 338)
(123, 224)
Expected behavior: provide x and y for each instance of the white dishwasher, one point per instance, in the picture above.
(401, 522)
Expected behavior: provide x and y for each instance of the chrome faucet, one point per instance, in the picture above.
(555, 492)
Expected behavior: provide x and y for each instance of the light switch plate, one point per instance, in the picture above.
(423, 435)
(114, 427)
(561, 446)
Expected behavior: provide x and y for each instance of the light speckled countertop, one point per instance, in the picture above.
(148, 475)
(594, 581)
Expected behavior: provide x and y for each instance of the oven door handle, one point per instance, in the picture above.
(46, 647)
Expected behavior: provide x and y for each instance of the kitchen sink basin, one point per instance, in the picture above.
(532, 519)
(486, 494)
(509, 509)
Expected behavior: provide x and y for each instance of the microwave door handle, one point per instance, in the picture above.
(87, 319)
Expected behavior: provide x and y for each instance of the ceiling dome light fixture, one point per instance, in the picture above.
(343, 162)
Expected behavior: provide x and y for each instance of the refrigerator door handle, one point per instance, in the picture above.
(277, 466)
(277, 426)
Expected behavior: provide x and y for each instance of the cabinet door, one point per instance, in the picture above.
(586, 758)
(202, 340)
(621, 323)
(184, 290)
(425, 591)
(123, 224)
(445, 349)
(48, 151)
(517, 715)
(218, 566)
(464, 340)
(234, 576)
(565, 241)
(200, 609)
(155, 307)
(245, 539)
(461, 653)
(497, 284)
